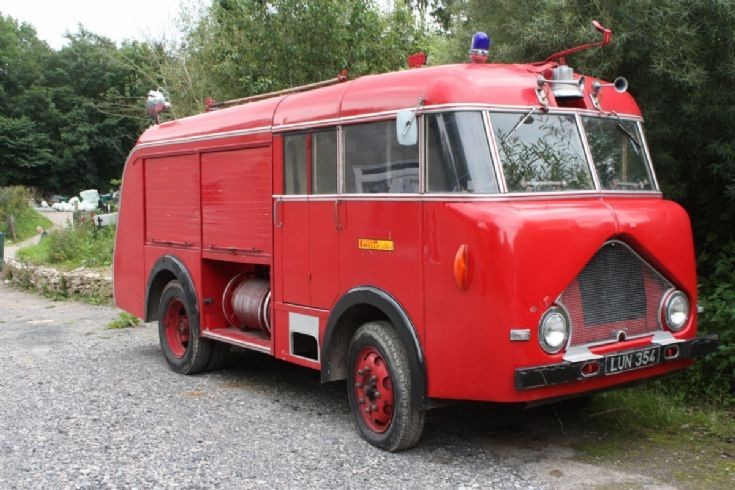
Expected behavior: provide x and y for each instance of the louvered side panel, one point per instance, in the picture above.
(172, 201)
(236, 201)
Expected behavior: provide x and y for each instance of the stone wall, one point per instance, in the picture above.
(94, 286)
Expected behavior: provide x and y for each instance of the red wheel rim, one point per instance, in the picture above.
(176, 325)
(373, 389)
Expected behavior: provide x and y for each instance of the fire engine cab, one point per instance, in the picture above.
(477, 231)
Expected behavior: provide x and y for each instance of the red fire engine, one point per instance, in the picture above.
(463, 232)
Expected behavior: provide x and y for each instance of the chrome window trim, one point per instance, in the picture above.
(644, 140)
(588, 154)
(360, 118)
(372, 116)
(449, 197)
(203, 137)
(422, 142)
(340, 161)
(367, 117)
(498, 166)
(291, 197)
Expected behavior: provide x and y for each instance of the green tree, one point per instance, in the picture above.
(24, 151)
(678, 66)
(22, 57)
(679, 57)
(244, 47)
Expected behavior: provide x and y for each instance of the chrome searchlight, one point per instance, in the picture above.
(480, 47)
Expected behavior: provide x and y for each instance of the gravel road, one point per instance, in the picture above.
(87, 407)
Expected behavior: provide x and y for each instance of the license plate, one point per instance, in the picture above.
(636, 359)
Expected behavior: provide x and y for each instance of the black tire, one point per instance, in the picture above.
(220, 356)
(195, 353)
(403, 427)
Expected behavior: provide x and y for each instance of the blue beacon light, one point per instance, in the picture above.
(480, 47)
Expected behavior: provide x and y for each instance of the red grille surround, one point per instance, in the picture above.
(617, 292)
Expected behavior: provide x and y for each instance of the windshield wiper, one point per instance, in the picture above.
(625, 131)
(630, 136)
(519, 123)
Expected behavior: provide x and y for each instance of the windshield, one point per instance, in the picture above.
(617, 150)
(541, 152)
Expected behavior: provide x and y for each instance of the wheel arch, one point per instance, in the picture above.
(363, 304)
(166, 269)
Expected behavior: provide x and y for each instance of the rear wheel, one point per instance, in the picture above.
(178, 330)
(379, 389)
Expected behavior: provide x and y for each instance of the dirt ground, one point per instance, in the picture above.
(132, 420)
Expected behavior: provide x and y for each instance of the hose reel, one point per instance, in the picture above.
(246, 303)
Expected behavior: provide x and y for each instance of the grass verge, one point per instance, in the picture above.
(646, 431)
(124, 320)
(26, 223)
(84, 245)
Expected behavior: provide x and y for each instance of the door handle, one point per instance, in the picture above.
(337, 218)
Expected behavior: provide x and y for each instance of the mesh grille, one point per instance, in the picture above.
(616, 291)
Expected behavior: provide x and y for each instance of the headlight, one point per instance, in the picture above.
(675, 310)
(553, 330)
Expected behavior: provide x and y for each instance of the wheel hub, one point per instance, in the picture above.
(177, 328)
(374, 389)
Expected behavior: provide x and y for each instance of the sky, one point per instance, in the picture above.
(114, 19)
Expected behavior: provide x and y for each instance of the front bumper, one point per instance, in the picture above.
(566, 372)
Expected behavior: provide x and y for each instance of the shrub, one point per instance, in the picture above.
(14, 201)
(84, 245)
(713, 378)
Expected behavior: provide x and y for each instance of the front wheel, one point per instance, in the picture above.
(379, 389)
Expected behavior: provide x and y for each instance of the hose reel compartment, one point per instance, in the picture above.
(246, 303)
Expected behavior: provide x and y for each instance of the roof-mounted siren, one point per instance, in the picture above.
(563, 84)
(562, 81)
(480, 47)
(156, 103)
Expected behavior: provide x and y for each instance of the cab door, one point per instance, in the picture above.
(381, 236)
(307, 219)
(324, 225)
(292, 221)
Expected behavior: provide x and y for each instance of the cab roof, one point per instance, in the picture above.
(463, 84)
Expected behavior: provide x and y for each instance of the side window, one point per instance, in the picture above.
(376, 163)
(458, 154)
(324, 162)
(294, 164)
